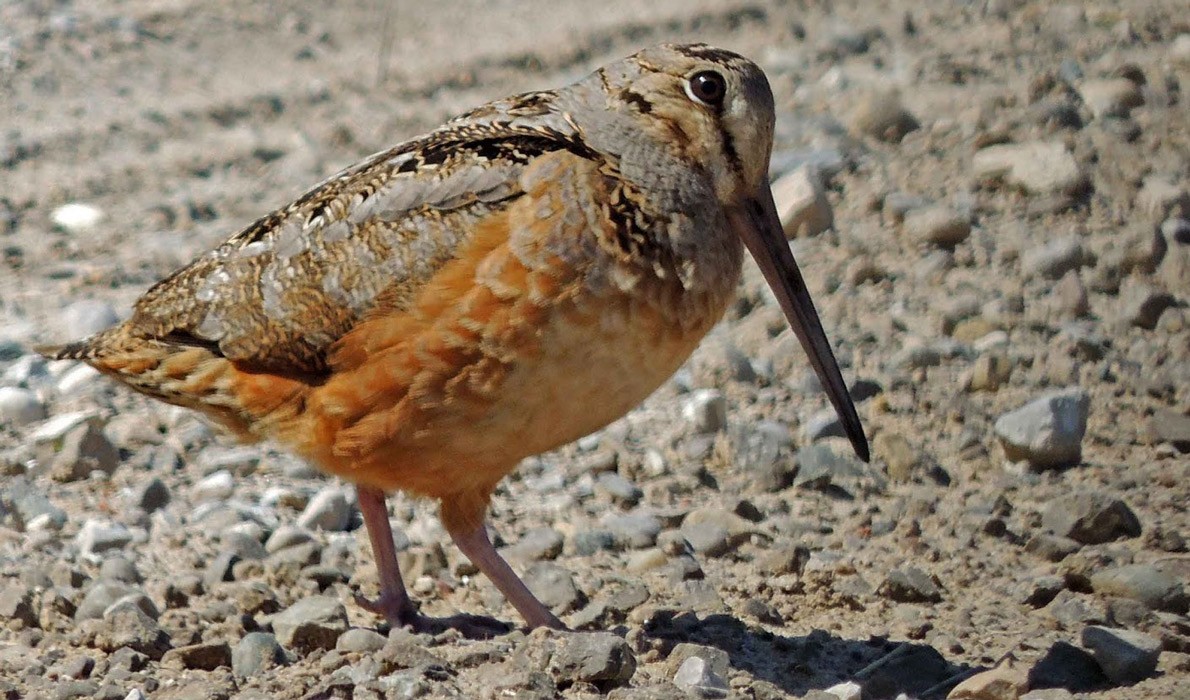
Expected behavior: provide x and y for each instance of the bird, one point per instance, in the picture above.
(501, 286)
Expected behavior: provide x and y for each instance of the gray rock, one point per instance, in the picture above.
(1156, 588)
(588, 542)
(696, 677)
(120, 569)
(802, 203)
(620, 490)
(554, 586)
(909, 584)
(1142, 304)
(205, 656)
(1171, 427)
(16, 603)
(819, 466)
(594, 657)
(151, 494)
(760, 450)
(1051, 547)
(634, 530)
(20, 407)
(822, 425)
(1047, 432)
(129, 626)
(537, 544)
(711, 539)
(1038, 167)
(1073, 610)
(1125, 656)
(314, 622)
(1090, 517)
(329, 510)
(256, 652)
(1066, 666)
(937, 225)
(218, 486)
(219, 568)
(916, 355)
(1054, 259)
(87, 317)
(100, 597)
(29, 504)
(360, 640)
(85, 449)
(240, 461)
(97, 536)
(705, 410)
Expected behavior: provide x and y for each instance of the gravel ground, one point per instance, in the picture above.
(991, 204)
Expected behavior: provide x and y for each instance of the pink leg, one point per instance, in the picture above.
(478, 548)
(394, 603)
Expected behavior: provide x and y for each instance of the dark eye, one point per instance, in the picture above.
(707, 87)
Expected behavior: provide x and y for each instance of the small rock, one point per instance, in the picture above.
(1069, 296)
(710, 539)
(881, 115)
(1125, 656)
(1157, 589)
(822, 425)
(1007, 681)
(119, 568)
(150, 495)
(909, 584)
(16, 603)
(1090, 517)
(20, 407)
(1051, 547)
(1054, 259)
(98, 536)
(1038, 167)
(596, 657)
(76, 217)
(1066, 666)
(634, 530)
(802, 204)
(1043, 589)
(1171, 427)
(360, 640)
(620, 490)
(216, 487)
(1110, 97)
(705, 411)
(206, 656)
(286, 536)
(537, 544)
(939, 226)
(256, 652)
(87, 317)
(554, 586)
(990, 372)
(129, 626)
(1141, 304)
(847, 690)
(819, 466)
(314, 622)
(696, 677)
(329, 510)
(898, 454)
(85, 449)
(240, 460)
(1048, 431)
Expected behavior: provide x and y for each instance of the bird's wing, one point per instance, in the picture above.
(275, 296)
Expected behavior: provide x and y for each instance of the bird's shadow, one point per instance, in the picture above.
(818, 660)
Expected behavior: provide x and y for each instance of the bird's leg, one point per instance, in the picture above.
(471, 538)
(394, 603)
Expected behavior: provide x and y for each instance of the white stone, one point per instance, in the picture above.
(802, 204)
(19, 407)
(216, 487)
(77, 217)
(1039, 167)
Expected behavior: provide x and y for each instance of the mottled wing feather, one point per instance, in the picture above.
(275, 296)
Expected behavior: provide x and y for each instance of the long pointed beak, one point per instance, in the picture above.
(760, 229)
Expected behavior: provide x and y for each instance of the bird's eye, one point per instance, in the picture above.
(707, 87)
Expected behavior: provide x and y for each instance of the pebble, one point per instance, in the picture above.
(76, 217)
(329, 510)
(710, 539)
(256, 652)
(1142, 304)
(823, 424)
(538, 544)
(593, 657)
(1110, 97)
(759, 450)
(16, 603)
(1090, 517)
(1051, 547)
(100, 596)
(217, 487)
(819, 467)
(909, 584)
(1171, 427)
(696, 678)
(881, 115)
(287, 535)
(554, 586)
(98, 536)
(1125, 656)
(360, 640)
(936, 225)
(1038, 167)
(621, 491)
(314, 622)
(899, 455)
(802, 204)
(1007, 681)
(705, 411)
(206, 656)
(85, 449)
(150, 494)
(240, 460)
(1047, 432)
(119, 568)
(1156, 588)
(1054, 259)
(87, 317)
(20, 407)
(990, 372)
(129, 626)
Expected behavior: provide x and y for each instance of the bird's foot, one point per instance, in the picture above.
(399, 611)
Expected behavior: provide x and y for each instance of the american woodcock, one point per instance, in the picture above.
(503, 285)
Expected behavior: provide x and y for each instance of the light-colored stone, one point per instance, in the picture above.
(1048, 431)
(1038, 167)
(802, 203)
